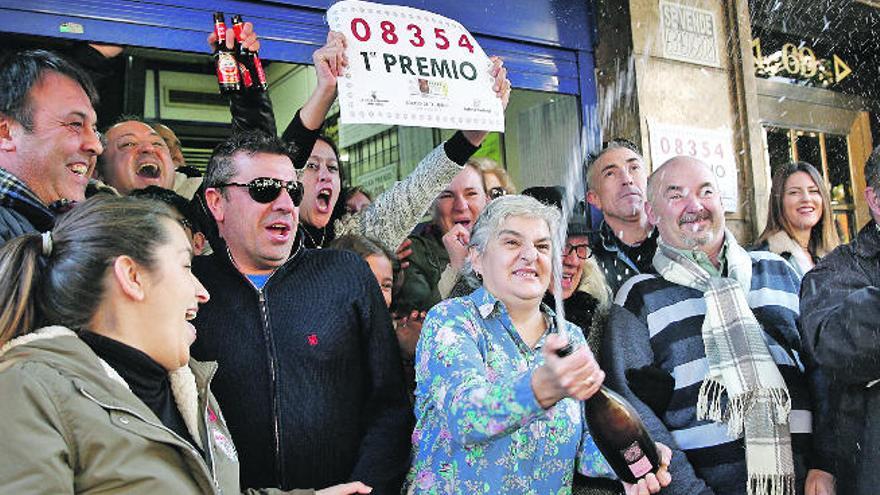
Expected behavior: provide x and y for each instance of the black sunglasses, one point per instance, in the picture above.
(496, 192)
(582, 251)
(267, 189)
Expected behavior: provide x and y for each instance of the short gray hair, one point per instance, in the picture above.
(614, 144)
(496, 212)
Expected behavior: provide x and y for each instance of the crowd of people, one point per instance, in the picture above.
(259, 328)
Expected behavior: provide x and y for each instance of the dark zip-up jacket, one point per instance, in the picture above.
(615, 259)
(840, 298)
(310, 378)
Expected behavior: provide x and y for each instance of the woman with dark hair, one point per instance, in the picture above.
(800, 227)
(104, 398)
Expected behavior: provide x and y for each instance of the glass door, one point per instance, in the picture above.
(829, 153)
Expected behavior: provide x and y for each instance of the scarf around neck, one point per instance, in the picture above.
(740, 365)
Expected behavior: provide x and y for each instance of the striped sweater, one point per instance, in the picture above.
(657, 323)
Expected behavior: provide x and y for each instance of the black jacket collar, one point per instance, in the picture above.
(867, 242)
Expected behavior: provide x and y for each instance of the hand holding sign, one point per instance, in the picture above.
(330, 60)
(412, 67)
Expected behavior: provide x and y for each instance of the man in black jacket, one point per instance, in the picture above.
(840, 298)
(48, 140)
(624, 244)
(309, 375)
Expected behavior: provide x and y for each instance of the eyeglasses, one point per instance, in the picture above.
(267, 189)
(583, 251)
(496, 192)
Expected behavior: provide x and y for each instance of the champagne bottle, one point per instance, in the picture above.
(250, 65)
(228, 77)
(619, 433)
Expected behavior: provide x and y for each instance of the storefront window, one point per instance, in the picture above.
(829, 153)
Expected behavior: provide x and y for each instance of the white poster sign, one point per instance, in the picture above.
(689, 34)
(714, 147)
(412, 67)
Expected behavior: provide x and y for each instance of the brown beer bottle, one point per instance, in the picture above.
(249, 63)
(619, 433)
(228, 76)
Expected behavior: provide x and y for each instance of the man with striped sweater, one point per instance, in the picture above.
(721, 322)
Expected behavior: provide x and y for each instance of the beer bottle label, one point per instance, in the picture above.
(258, 66)
(246, 79)
(227, 68)
(636, 460)
(220, 31)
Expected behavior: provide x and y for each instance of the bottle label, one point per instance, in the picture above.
(220, 31)
(258, 65)
(246, 78)
(227, 68)
(638, 462)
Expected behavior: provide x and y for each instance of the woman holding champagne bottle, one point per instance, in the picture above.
(497, 410)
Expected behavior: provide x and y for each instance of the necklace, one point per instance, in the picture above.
(318, 245)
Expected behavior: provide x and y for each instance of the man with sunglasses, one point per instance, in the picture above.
(616, 183)
(309, 375)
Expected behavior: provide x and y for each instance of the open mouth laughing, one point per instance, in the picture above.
(149, 170)
(325, 195)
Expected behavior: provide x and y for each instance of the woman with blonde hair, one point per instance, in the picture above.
(495, 178)
(800, 227)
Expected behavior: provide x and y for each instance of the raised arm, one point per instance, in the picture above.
(251, 110)
(330, 63)
(393, 215)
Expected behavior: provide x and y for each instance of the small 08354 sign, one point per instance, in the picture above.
(412, 67)
(714, 147)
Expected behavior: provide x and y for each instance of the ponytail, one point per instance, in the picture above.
(20, 270)
(58, 278)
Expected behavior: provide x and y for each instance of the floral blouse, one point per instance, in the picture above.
(479, 428)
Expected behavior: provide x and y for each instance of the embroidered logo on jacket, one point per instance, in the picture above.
(224, 444)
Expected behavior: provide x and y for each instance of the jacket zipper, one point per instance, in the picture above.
(267, 336)
(161, 427)
(208, 438)
(264, 312)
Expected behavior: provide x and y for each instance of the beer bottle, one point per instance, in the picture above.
(249, 62)
(619, 433)
(224, 60)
